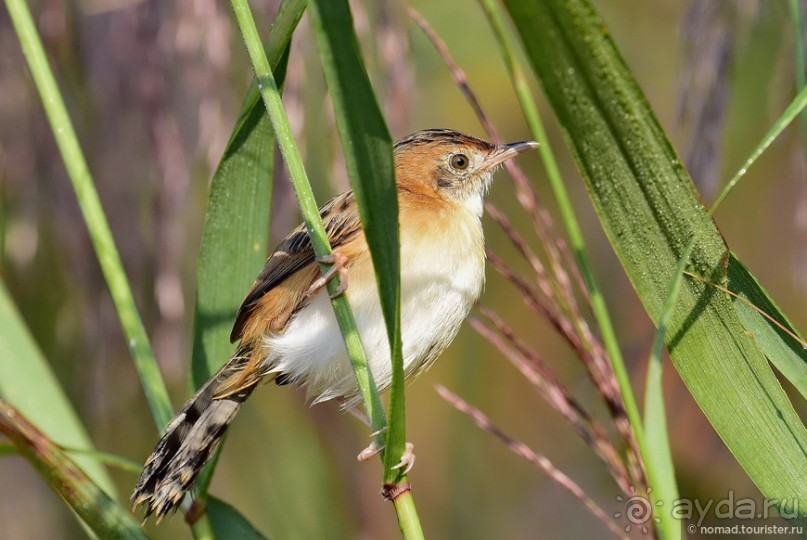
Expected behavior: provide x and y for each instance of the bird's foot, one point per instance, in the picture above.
(407, 458)
(339, 266)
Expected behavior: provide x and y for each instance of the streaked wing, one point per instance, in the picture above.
(341, 219)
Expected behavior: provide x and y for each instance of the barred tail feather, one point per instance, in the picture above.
(189, 441)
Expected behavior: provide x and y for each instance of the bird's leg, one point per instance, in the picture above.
(338, 262)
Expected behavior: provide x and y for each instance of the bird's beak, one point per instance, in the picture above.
(503, 152)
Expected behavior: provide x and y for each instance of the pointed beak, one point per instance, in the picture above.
(503, 152)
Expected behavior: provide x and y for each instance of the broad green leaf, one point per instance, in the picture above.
(27, 383)
(229, 523)
(95, 508)
(367, 147)
(783, 350)
(649, 210)
(236, 228)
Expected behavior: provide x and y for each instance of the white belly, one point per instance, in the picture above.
(442, 276)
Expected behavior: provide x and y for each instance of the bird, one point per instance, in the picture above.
(286, 329)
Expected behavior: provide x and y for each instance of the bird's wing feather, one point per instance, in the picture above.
(286, 269)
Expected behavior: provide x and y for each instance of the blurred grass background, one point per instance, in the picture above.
(154, 89)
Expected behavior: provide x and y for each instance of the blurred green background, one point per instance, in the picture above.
(154, 89)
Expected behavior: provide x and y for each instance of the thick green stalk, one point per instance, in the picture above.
(308, 208)
(404, 504)
(367, 147)
(93, 213)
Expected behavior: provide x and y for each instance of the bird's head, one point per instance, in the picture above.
(450, 165)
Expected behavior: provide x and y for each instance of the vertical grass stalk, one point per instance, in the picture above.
(404, 505)
(97, 225)
(93, 213)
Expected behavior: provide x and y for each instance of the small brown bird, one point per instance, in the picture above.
(286, 328)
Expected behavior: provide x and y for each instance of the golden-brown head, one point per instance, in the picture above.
(447, 164)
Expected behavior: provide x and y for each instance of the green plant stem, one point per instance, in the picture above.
(367, 147)
(576, 240)
(100, 513)
(93, 213)
(660, 468)
(308, 207)
(404, 504)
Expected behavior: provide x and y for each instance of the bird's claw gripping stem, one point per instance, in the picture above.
(407, 458)
(338, 262)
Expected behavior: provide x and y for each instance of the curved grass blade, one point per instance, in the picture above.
(795, 108)
(95, 508)
(27, 383)
(649, 210)
(367, 146)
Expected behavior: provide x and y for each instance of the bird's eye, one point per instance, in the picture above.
(459, 162)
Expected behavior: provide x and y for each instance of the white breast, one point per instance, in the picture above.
(442, 276)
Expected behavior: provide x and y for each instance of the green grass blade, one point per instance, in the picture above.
(27, 383)
(95, 508)
(236, 230)
(308, 207)
(796, 106)
(229, 523)
(783, 350)
(315, 228)
(649, 209)
(93, 213)
(106, 458)
(660, 468)
(367, 146)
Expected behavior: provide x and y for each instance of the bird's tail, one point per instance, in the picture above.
(191, 437)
